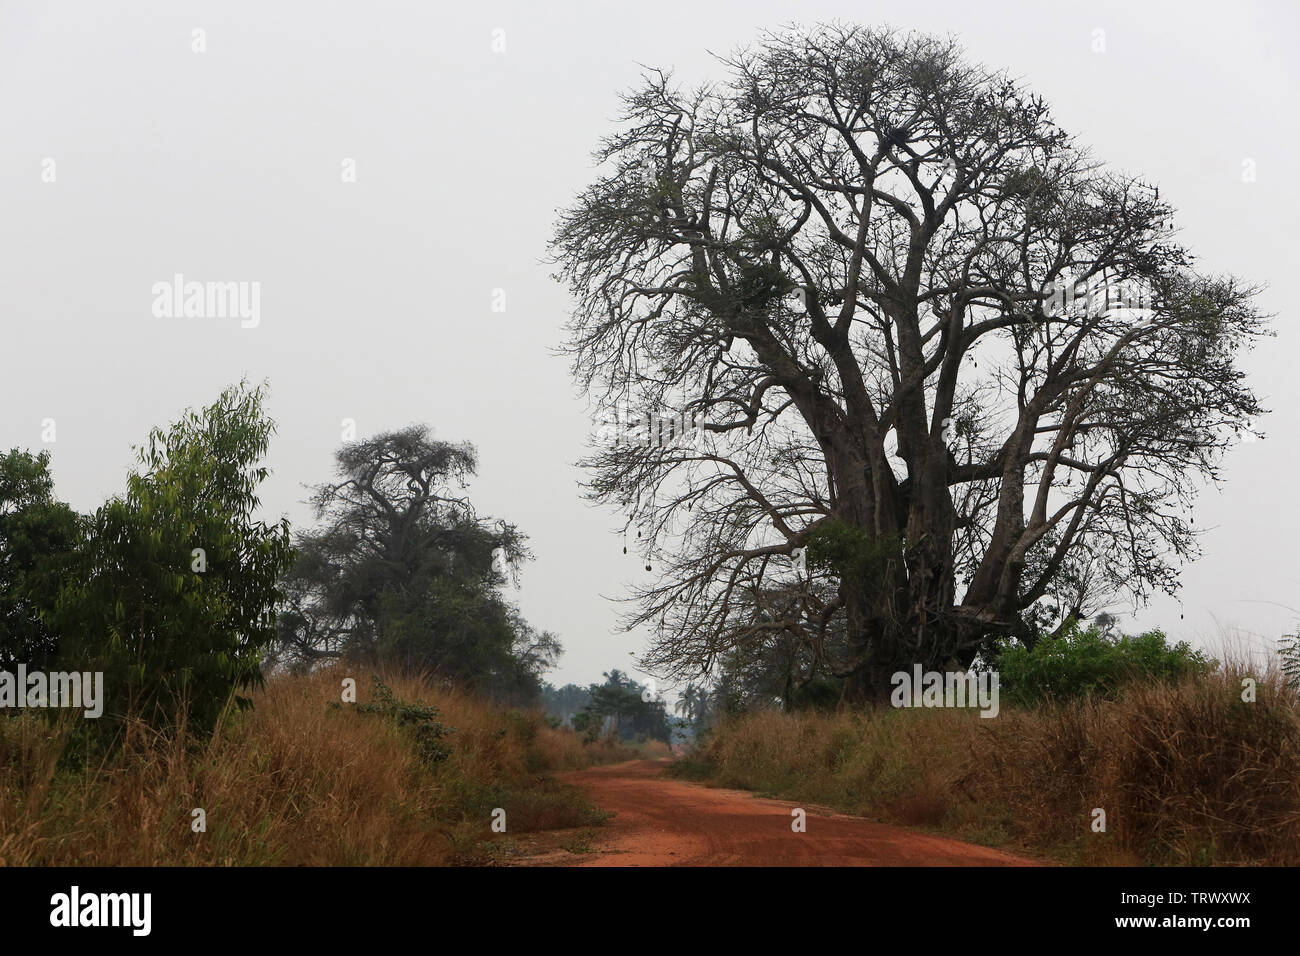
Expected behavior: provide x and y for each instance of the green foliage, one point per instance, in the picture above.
(634, 714)
(853, 555)
(1083, 662)
(822, 693)
(733, 692)
(760, 283)
(696, 705)
(775, 669)
(38, 537)
(174, 590)
(401, 573)
(420, 720)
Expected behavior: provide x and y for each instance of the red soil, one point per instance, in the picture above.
(665, 822)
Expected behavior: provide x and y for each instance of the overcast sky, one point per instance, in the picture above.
(377, 295)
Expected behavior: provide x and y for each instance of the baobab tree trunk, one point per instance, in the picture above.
(905, 614)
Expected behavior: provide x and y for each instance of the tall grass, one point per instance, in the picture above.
(293, 782)
(1187, 772)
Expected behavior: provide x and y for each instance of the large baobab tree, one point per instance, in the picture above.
(930, 340)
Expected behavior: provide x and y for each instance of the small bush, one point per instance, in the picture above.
(1083, 662)
(420, 719)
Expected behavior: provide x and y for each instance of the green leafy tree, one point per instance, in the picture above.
(38, 537)
(403, 572)
(633, 711)
(174, 591)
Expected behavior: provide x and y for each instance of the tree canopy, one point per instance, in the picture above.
(37, 536)
(930, 339)
(173, 593)
(629, 708)
(403, 571)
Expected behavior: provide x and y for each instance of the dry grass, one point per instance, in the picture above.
(294, 782)
(1187, 774)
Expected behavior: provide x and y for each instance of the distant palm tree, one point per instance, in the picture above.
(694, 704)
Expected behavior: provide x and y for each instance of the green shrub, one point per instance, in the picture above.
(1083, 662)
(173, 592)
(420, 719)
(864, 560)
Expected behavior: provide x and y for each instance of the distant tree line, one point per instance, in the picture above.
(619, 706)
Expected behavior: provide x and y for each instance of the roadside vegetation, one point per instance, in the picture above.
(222, 734)
(1187, 768)
(294, 780)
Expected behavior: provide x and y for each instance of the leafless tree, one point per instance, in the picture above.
(848, 262)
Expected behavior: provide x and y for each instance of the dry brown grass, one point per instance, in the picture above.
(293, 782)
(1187, 774)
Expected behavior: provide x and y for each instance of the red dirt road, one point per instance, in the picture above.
(665, 822)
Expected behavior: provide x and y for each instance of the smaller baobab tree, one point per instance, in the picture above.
(929, 339)
(402, 571)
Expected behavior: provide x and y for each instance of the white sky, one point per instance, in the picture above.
(376, 295)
